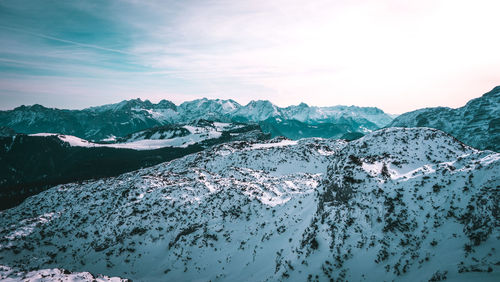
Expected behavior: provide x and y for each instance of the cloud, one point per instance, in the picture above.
(66, 41)
(388, 53)
(397, 55)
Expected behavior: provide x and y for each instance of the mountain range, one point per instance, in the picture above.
(396, 204)
(126, 117)
(476, 124)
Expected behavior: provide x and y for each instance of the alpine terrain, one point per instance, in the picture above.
(397, 204)
(477, 123)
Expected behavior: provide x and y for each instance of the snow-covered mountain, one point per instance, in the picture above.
(126, 117)
(257, 111)
(404, 204)
(476, 124)
(218, 110)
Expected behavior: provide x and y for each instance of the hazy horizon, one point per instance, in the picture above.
(242, 104)
(398, 56)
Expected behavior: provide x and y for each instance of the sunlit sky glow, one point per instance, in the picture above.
(395, 55)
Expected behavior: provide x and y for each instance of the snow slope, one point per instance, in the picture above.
(407, 204)
(397, 204)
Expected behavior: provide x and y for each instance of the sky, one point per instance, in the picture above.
(398, 55)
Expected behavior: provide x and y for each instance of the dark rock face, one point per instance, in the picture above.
(476, 124)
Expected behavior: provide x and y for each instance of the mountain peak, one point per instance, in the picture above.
(124, 105)
(34, 107)
(166, 104)
(256, 103)
(214, 107)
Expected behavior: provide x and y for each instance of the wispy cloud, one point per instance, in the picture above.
(66, 41)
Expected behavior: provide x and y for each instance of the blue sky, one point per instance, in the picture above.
(397, 55)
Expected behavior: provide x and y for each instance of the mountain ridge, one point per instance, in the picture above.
(477, 123)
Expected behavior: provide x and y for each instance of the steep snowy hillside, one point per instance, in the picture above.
(409, 203)
(120, 119)
(477, 123)
(405, 204)
(217, 214)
